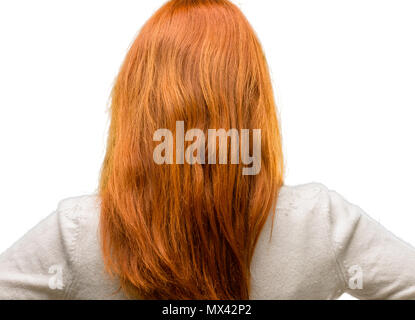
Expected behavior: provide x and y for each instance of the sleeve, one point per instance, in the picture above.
(373, 263)
(38, 266)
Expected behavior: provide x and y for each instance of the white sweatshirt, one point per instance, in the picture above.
(321, 246)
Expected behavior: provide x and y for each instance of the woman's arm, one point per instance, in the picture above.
(39, 265)
(373, 262)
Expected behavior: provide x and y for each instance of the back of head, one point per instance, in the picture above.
(182, 231)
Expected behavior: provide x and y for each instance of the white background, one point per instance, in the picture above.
(343, 72)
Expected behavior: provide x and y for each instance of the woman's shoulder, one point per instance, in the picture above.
(80, 214)
(87, 207)
(303, 196)
(301, 222)
(80, 217)
(294, 251)
(84, 210)
(75, 206)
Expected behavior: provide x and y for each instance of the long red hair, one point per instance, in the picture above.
(188, 231)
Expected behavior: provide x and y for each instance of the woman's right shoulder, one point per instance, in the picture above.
(294, 250)
(304, 196)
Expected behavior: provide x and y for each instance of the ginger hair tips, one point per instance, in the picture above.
(180, 230)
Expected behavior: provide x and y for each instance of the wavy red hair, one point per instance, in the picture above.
(188, 231)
